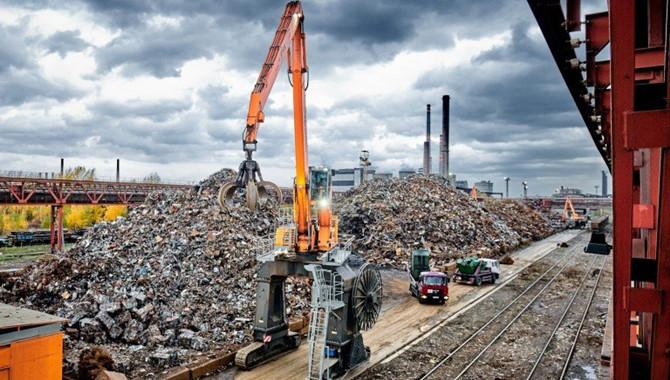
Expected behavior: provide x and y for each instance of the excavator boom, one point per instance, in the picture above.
(288, 44)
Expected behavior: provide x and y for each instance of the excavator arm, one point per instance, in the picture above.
(290, 26)
(311, 235)
(288, 43)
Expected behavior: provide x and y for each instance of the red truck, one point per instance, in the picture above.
(424, 284)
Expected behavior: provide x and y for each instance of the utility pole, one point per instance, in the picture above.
(507, 187)
(525, 189)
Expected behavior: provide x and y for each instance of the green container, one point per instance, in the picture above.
(468, 265)
(420, 262)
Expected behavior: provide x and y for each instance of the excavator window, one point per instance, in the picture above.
(319, 186)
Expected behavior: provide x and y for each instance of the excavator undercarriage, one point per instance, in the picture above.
(346, 299)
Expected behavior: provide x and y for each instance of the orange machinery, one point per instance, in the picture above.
(31, 344)
(306, 242)
(571, 216)
(308, 235)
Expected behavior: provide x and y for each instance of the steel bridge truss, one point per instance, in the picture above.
(56, 193)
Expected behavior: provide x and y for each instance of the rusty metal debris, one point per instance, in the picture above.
(174, 279)
(391, 217)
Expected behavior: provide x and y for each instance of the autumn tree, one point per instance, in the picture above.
(152, 178)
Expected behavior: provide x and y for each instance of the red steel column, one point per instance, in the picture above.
(660, 350)
(622, 37)
(56, 228)
(60, 228)
(52, 225)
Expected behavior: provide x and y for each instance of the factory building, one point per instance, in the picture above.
(484, 186)
(461, 184)
(345, 179)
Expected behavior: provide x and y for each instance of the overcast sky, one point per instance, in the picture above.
(164, 86)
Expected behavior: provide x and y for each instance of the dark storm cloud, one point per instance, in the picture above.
(64, 42)
(220, 105)
(20, 86)
(159, 52)
(510, 89)
(13, 49)
(354, 32)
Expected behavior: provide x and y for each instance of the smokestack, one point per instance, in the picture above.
(603, 186)
(118, 169)
(62, 167)
(444, 138)
(426, 145)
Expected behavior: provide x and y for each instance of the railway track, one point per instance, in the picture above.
(474, 351)
(542, 369)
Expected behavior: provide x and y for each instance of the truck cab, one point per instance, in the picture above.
(432, 286)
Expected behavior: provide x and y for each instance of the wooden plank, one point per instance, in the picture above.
(178, 373)
(211, 365)
(606, 350)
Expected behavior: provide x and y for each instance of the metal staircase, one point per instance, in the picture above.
(327, 293)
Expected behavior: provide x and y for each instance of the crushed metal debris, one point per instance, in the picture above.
(174, 279)
(391, 217)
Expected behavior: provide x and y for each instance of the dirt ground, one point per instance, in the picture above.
(403, 319)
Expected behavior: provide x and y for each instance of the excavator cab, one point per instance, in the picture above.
(320, 186)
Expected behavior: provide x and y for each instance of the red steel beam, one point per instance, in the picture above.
(61, 191)
(622, 37)
(573, 22)
(660, 359)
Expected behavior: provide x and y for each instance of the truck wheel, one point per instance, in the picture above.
(493, 279)
(478, 281)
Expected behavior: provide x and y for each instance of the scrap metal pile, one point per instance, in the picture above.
(525, 221)
(389, 218)
(175, 278)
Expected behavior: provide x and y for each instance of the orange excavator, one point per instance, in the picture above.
(346, 292)
(571, 216)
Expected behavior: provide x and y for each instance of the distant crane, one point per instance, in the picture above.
(571, 216)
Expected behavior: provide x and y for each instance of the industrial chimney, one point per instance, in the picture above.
(444, 138)
(426, 145)
(603, 186)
